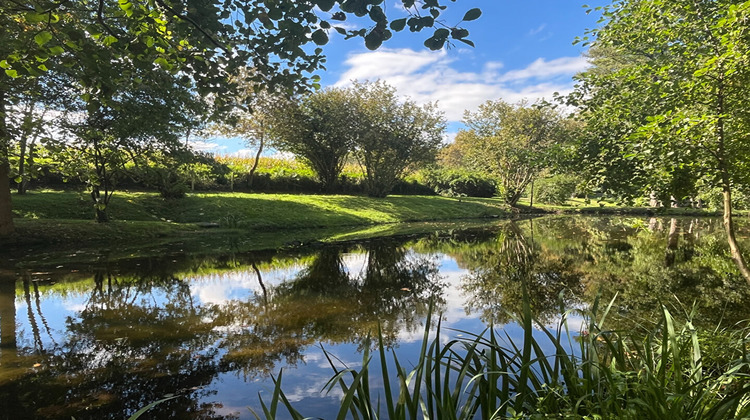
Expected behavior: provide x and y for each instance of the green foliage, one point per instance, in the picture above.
(556, 189)
(713, 199)
(511, 143)
(665, 101)
(458, 182)
(320, 129)
(393, 135)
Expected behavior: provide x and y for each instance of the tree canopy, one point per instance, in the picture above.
(513, 143)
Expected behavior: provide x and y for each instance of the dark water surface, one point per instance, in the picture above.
(100, 341)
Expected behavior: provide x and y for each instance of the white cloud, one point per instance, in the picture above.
(206, 146)
(541, 69)
(433, 76)
(535, 31)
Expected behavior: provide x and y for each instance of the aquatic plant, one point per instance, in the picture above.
(658, 373)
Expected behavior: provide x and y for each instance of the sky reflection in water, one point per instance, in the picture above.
(101, 342)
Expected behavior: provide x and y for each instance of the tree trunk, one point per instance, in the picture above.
(251, 174)
(8, 346)
(22, 166)
(100, 206)
(734, 249)
(531, 196)
(6, 215)
(672, 241)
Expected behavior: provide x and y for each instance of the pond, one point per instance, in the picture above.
(100, 341)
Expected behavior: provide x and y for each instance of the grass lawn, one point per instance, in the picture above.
(143, 222)
(254, 220)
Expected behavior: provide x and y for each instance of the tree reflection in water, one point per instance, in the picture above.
(140, 329)
(141, 334)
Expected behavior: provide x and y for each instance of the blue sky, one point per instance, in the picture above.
(524, 50)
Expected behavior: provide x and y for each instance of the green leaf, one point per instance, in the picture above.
(434, 43)
(472, 14)
(377, 15)
(56, 50)
(459, 33)
(398, 24)
(320, 37)
(373, 40)
(441, 33)
(325, 5)
(140, 412)
(467, 42)
(11, 73)
(4, 64)
(42, 38)
(163, 63)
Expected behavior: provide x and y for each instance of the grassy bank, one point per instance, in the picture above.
(143, 222)
(247, 221)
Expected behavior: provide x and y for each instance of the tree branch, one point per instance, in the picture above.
(195, 25)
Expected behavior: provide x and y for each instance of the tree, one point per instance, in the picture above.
(690, 75)
(133, 120)
(250, 117)
(204, 41)
(513, 143)
(28, 126)
(320, 128)
(393, 135)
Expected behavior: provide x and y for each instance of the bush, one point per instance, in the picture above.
(411, 186)
(713, 199)
(455, 182)
(555, 189)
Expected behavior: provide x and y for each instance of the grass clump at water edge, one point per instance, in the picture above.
(598, 374)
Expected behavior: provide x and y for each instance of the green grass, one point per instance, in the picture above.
(579, 206)
(258, 210)
(144, 223)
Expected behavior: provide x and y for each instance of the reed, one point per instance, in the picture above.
(594, 373)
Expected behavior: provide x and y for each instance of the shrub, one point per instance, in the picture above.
(555, 189)
(713, 199)
(455, 182)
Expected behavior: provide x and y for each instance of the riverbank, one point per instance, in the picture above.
(242, 221)
(144, 222)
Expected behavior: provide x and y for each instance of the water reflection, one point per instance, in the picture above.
(103, 341)
(131, 336)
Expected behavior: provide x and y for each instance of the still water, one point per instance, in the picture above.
(100, 341)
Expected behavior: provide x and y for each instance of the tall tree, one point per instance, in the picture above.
(690, 76)
(319, 128)
(133, 119)
(251, 115)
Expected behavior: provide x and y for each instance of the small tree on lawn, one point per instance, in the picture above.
(393, 135)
